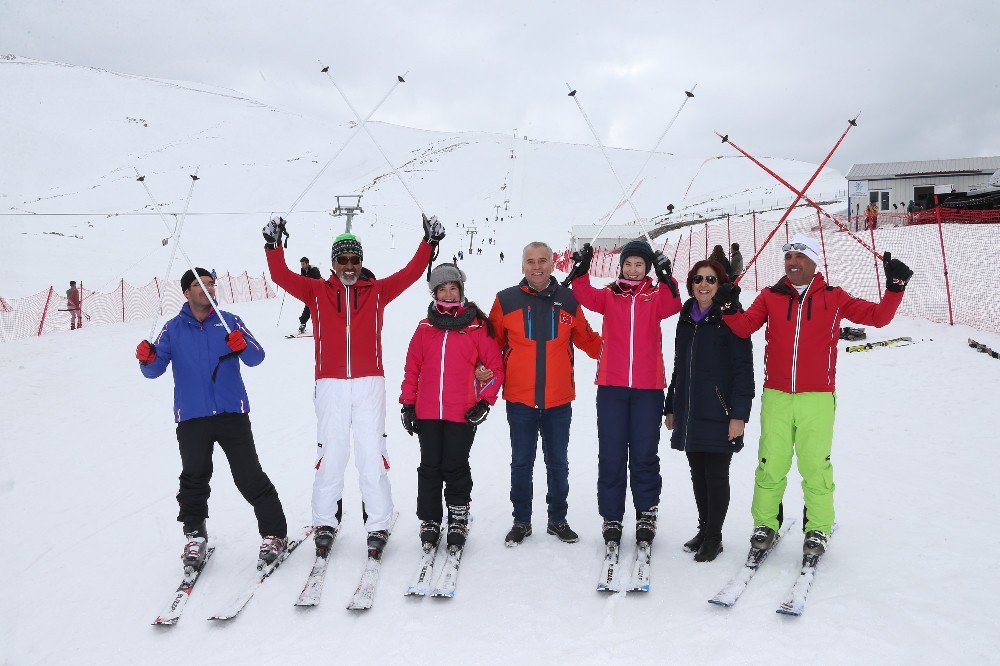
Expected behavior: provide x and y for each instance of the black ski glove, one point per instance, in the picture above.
(728, 298)
(664, 272)
(273, 232)
(433, 230)
(408, 415)
(477, 414)
(897, 274)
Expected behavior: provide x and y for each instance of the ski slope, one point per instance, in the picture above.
(88, 457)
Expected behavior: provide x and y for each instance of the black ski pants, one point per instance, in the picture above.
(710, 479)
(196, 439)
(444, 461)
(304, 317)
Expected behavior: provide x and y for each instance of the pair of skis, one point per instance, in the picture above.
(172, 614)
(894, 342)
(795, 601)
(447, 580)
(979, 346)
(640, 570)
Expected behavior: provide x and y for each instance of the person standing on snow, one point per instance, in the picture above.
(443, 403)
(537, 323)
(736, 261)
(630, 382)
(74, 306)
(347, 312)
(211, 405)
(719, 255)
(708, 403)
(309, 272)
(797, 408)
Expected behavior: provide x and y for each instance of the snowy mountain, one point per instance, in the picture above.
(88, 457)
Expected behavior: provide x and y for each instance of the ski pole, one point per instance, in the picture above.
(799, 195)
(634, 185)
(635, 212)
(364, 125)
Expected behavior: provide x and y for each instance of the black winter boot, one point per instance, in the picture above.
(709, 549)
(517, 534)
(694, 544)
(563, 531)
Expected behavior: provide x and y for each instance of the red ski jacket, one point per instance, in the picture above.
(439, 374)
(632, 351)
(347, 321)
(802, 332)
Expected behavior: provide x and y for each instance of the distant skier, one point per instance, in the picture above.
(736, 260)
(74, 306)
(803, 317)
(211, 405)
(501, 257)
(347, 312)
(309, 272)
(443, 403)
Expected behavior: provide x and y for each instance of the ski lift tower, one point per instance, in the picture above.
(348, 205)
(471, 231)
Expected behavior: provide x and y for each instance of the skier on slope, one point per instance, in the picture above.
(443, 403)
(309, 272)
(347, 312)
(630, 382)
(74, 305)
(211, 405)
(803, 317)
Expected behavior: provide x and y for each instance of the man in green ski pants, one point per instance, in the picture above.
(803, 317)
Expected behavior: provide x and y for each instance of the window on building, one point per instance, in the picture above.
(923, 196)
(880, 197)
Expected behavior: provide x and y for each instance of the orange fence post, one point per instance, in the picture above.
(45, 310)
(944, 260)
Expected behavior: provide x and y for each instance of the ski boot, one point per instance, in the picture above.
(611, 530)
(645, 526)
(430, 533)
(376, 543)
(270, 548)
(458, 525)
(815, 543)
(196, 548)
(302, 329)
(563, 531)
(763, 538)
(323, 539)
(517, 534)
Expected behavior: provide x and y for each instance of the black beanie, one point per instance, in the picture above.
(637, 248)
(188, 278)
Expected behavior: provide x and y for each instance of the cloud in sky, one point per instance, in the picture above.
(781, 77)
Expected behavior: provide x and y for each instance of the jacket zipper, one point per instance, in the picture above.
(687, 409)
(798, 328)
(721, 401)
(347, 299)
(631, 339)
(444, 341)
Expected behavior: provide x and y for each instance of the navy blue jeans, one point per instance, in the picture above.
(525, 424)
(628, 434)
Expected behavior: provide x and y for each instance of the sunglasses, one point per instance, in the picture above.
(711, 279)
(798, 247)
(353, 260)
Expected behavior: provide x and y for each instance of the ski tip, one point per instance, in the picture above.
(400, 79)
(720, 602)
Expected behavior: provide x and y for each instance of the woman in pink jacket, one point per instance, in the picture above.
(630, 382)
(443, 403)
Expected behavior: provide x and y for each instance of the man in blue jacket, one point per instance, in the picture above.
(211, 405)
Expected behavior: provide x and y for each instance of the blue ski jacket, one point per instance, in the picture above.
(207, 378)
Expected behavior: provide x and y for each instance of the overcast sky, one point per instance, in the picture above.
(781, 79)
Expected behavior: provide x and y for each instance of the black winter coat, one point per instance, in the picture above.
(712, 383)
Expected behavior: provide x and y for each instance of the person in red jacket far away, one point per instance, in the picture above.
(347, 312)
(803, 316)
(630, 383)
(443, 403)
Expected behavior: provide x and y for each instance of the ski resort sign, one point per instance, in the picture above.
(859, 188)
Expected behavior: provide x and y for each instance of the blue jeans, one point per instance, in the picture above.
(525, 424)
(628, 434)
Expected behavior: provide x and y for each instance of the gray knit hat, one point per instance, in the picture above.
(637, 248)
(443, 273)
(345, 243)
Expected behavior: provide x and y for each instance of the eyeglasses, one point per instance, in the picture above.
(798, 247)
(711, 279)
(354, 260)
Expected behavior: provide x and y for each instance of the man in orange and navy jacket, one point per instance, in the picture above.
(538, 322)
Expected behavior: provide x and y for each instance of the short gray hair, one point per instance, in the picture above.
(536, 245)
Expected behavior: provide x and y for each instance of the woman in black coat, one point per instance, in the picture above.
(708, 403)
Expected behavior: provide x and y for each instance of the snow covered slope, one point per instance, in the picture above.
(88, 458)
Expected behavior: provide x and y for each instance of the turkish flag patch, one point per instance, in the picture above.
(565, 318)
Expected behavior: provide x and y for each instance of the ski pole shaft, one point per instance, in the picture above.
(343, 146)
(364, 125)
(611, 166)
(634, 185)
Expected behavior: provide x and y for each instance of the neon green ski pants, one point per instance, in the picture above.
(801, 423)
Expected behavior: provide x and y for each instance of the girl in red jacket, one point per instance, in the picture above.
(630, 383)
(443, 403)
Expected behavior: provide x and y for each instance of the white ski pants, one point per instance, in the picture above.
(343, 407)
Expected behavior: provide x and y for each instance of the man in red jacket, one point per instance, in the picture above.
(347, 312)
(803, 316)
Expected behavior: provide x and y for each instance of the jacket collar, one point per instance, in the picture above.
(548, 292)
(714, 315)
(783, 286)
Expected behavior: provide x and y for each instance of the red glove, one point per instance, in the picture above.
(145, 352)
(236, 341)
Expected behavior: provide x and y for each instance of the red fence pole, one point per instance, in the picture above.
(944, 260)
(706, 240)
(232, 294)
(690, 243)
(822, 242)
(878, 283)
(756, 285)
(729, 236)
(123, 298)
(248, 284)
(45, 310)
